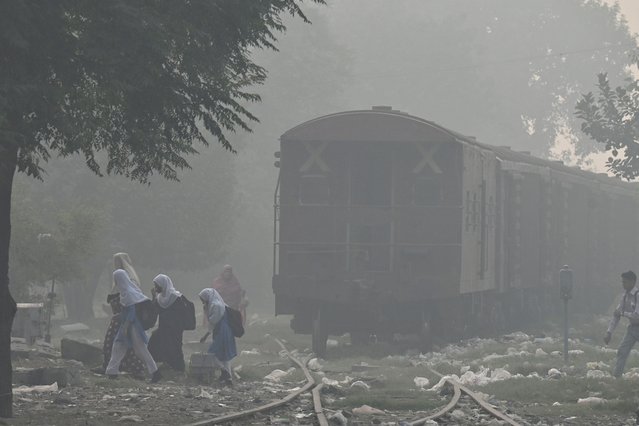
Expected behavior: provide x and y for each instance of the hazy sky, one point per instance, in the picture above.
(630, 8)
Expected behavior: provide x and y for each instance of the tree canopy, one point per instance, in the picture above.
(611, 118)
(508, 72)
(133, 87)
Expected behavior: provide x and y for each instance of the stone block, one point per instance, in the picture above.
(80, 351)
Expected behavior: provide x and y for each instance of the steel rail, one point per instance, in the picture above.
(310, 382)
(458, 389)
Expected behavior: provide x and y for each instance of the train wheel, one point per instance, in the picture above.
(320, 336)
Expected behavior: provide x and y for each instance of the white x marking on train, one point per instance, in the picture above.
(315, 157)
(427, 158)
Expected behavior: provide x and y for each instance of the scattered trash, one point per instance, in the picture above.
(556, 404)
(332, 343)
(363, 366)
(277, 375)
(251, 352)
(330, 382)
(597, 374)
(361, 385)
(205, 395)
(338, 419)
(554, 373)
(591, 400)
(314, 364)
(36, 389)
(599, 365)
(367, 410)
(421, 382)
(541, 352)
(576, 352)
(130, 419)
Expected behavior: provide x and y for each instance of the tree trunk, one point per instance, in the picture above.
(8, 164)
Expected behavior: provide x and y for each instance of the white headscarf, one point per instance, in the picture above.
(215, 304)
(123, 261)
(130, 294)
(169, 293)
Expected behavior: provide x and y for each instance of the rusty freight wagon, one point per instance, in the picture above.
(389, 223)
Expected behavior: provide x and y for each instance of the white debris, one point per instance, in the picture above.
(332, 343)
(464, 369)
(499, 374)
(597, 374)
(250, 352)
(534, 375)
(576, 352)
(599, 365)
(421, 382)
(347, 380)
(591, 400)
(367, 410)
(541, 352)
(106, 397)
(556, 404)
(457, 415)
(277, 375)
(314, 365)
(330, 382)
(338, 419)
(518, 336)
(556, 353)
(554, 373)
(544, 340)
(205, 395)
(607, 350)
(632, 374)
(491, 357)
(78, 326)
(361, 385)
(37, 389)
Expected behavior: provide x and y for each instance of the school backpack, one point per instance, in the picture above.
(188, 314)
(235, 321)
(147, 314)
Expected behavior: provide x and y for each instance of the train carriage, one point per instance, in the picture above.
(389, 223)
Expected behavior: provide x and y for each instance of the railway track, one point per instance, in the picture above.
(310, 385)
(458, 391)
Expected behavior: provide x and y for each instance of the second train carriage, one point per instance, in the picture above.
(389, 223)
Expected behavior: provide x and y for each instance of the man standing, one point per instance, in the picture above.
(627, 308)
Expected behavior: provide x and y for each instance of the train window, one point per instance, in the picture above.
(427, 191)
(370, 172)
(314, 189)
(370, 248)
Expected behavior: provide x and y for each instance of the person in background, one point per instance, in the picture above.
(131, 363)
(130, 334)
(627, 308)
(228, 286)
(165, 344)
(223, 347)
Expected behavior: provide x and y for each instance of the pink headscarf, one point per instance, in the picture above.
(229, 289)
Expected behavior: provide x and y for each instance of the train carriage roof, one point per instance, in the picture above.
(384, 124)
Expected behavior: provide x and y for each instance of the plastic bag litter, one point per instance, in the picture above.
(597, 374)
(37, 389)
(314, 365)
(361, 385)
(330, 382)
(541, 352)
(554, 373)
(250, 352)
(367, 410)
(332, 343)
(576, 352)
(421, 382)
(276, 375)
(591, 400)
